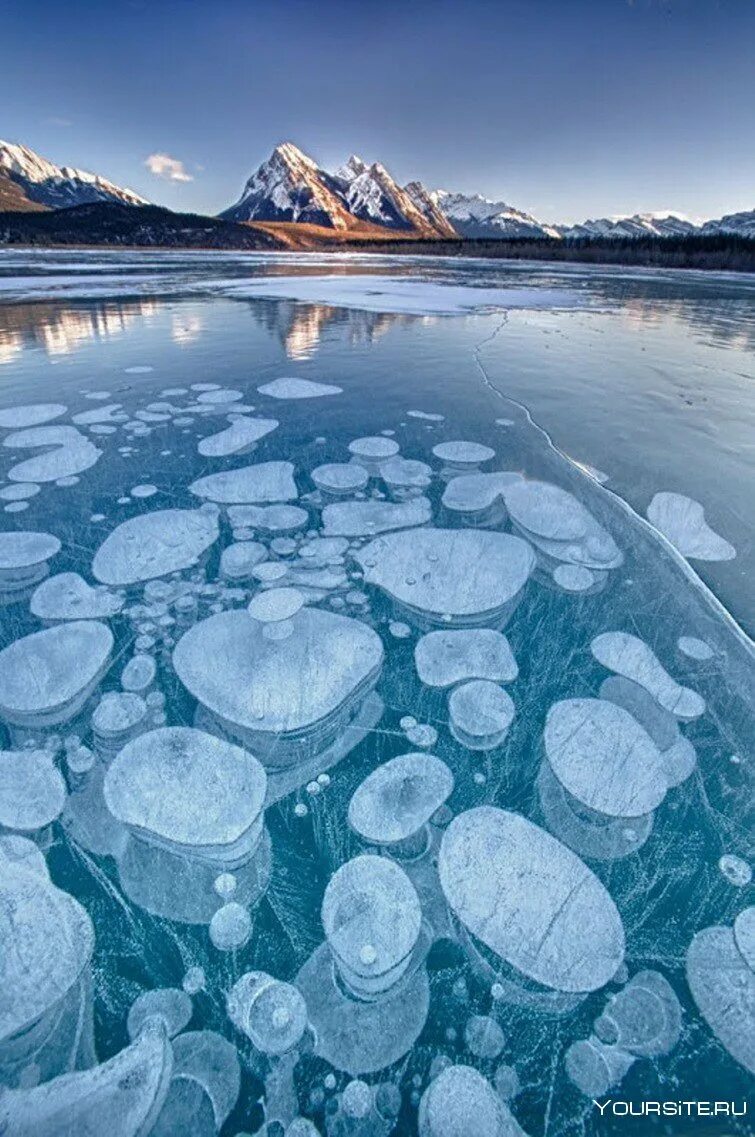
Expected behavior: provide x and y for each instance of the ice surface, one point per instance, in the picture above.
(530, 900)
(471, 576)
(52, 940)
(458, 1094)
(263, 482)
(365, 518)
(121, 1097)
(630, 656)
(604, 758)
(298, 389)
(239, 436)
(398, 798)
(47, 676)
(723, 987)
(67, 596)
(32, 791)
(186, 787)
(34, 414)
(340, 477)
(154, 544)
(445, 658)
(682, 522)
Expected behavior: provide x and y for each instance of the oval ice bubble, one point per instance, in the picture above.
(366, 518)
(170, 1004)
(480, 714)
(270, 1013)
(340, 477)
(398, 798)
(241, 435)
(67, 596)
(630, 656)
(682, 522)
(723, 987)
(444, 658)
(530, 900)
(155, 544)
(32, 790)
(45, 678)
(33, 414)
(463, 454)
(292, 388)
(458, 1094)
(603, 757)
(256, 484)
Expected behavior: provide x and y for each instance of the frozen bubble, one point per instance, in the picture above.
(477, 493)
(573, 578)
(470, 576)
(681, 520)
(220, 395)
(398, 798)
(694, 648)
(398, 630)
(603, 757)
(483, 1037)
(171, 1004)
(365, 518)
(422, 735)
(463, 453)
(659, 723)
(458, 1094)
(239, 436)
(429, 416)
(184, 787)
(204, 1057)
(122, 1096)
(445, 658)
(194, 980)
(373, 448)
(139, 673)
(16, 507)
(406, 722)
(480, 714)
(530, 900)
(559, 525)
(21, 491)
(736, 870)
(405, 472)
(371, 916)
(744, 935)
(723, 987)
(154, 544)
(268, 572)
(340, 477)
(238, 560)
(263, 689)
(275, 605)
(45, 678)
(595, 1068)
(110, 413)
(644, 1018)
(34, 414)
(630, 656)
(271, 518)
(356, 1099)
(205, 387)
(270, 1013)
(225, 884)
(117, 714)
(263, 482)
(230, 927)
(32, 791)
(286, 388)
(66, 452)
(67, 596)
(24, 554)
(142, 491)
(52, 939)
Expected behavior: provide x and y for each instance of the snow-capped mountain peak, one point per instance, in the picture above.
(473, 215)
(41, 182)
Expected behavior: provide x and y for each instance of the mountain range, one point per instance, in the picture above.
(358, 200)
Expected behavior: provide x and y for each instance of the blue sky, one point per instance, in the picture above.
(566, 108)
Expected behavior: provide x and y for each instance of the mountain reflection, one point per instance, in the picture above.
(60, 330)
(301, 327)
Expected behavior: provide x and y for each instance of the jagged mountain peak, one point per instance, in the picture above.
(36, 182)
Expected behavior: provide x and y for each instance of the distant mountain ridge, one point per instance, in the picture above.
(28, 181)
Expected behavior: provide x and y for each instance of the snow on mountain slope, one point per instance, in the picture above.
(734, 224)
(473, 215)
(29, 181)
(636, 225)
(373, 195)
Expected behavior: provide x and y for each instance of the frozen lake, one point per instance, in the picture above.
(375, 676)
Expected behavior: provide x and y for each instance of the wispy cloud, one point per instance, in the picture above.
(53, 120)
(163, 166)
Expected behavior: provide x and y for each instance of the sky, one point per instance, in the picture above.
(565, 108)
